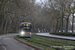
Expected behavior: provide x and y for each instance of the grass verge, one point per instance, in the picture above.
(48, 43)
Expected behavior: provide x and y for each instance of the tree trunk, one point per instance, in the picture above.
(72, 24)
(5, 27)
(57, 26)
(1, 27)
(9, 26)
(67, 26)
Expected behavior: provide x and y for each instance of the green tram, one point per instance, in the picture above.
(25, 29)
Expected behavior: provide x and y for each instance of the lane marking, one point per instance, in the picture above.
(3, 46)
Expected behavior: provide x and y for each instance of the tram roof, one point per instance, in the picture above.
(25, 23)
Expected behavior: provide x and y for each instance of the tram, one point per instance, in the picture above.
(25, 29)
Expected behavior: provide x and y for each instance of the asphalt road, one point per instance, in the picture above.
(7, 42)
(55, 36)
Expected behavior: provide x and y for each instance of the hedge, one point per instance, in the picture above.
(64, 34)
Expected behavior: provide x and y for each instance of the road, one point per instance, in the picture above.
(7, 42)
(55, 36)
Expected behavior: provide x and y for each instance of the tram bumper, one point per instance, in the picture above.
(25, 34)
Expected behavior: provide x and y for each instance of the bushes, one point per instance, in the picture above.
(64, 34)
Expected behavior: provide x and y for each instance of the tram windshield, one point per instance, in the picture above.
(26, 30)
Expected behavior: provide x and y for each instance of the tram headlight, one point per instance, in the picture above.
(22, 32)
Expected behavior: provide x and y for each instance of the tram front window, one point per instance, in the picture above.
(26, 30)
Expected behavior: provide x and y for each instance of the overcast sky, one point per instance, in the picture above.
(41, 2)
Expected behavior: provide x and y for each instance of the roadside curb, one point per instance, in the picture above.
(35, 47)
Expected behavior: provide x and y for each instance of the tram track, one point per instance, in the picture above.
(48, 42)
(54, 41)
(43, 42)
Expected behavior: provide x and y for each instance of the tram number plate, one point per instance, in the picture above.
(27, 33)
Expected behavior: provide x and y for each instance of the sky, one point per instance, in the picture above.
(41, 2)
